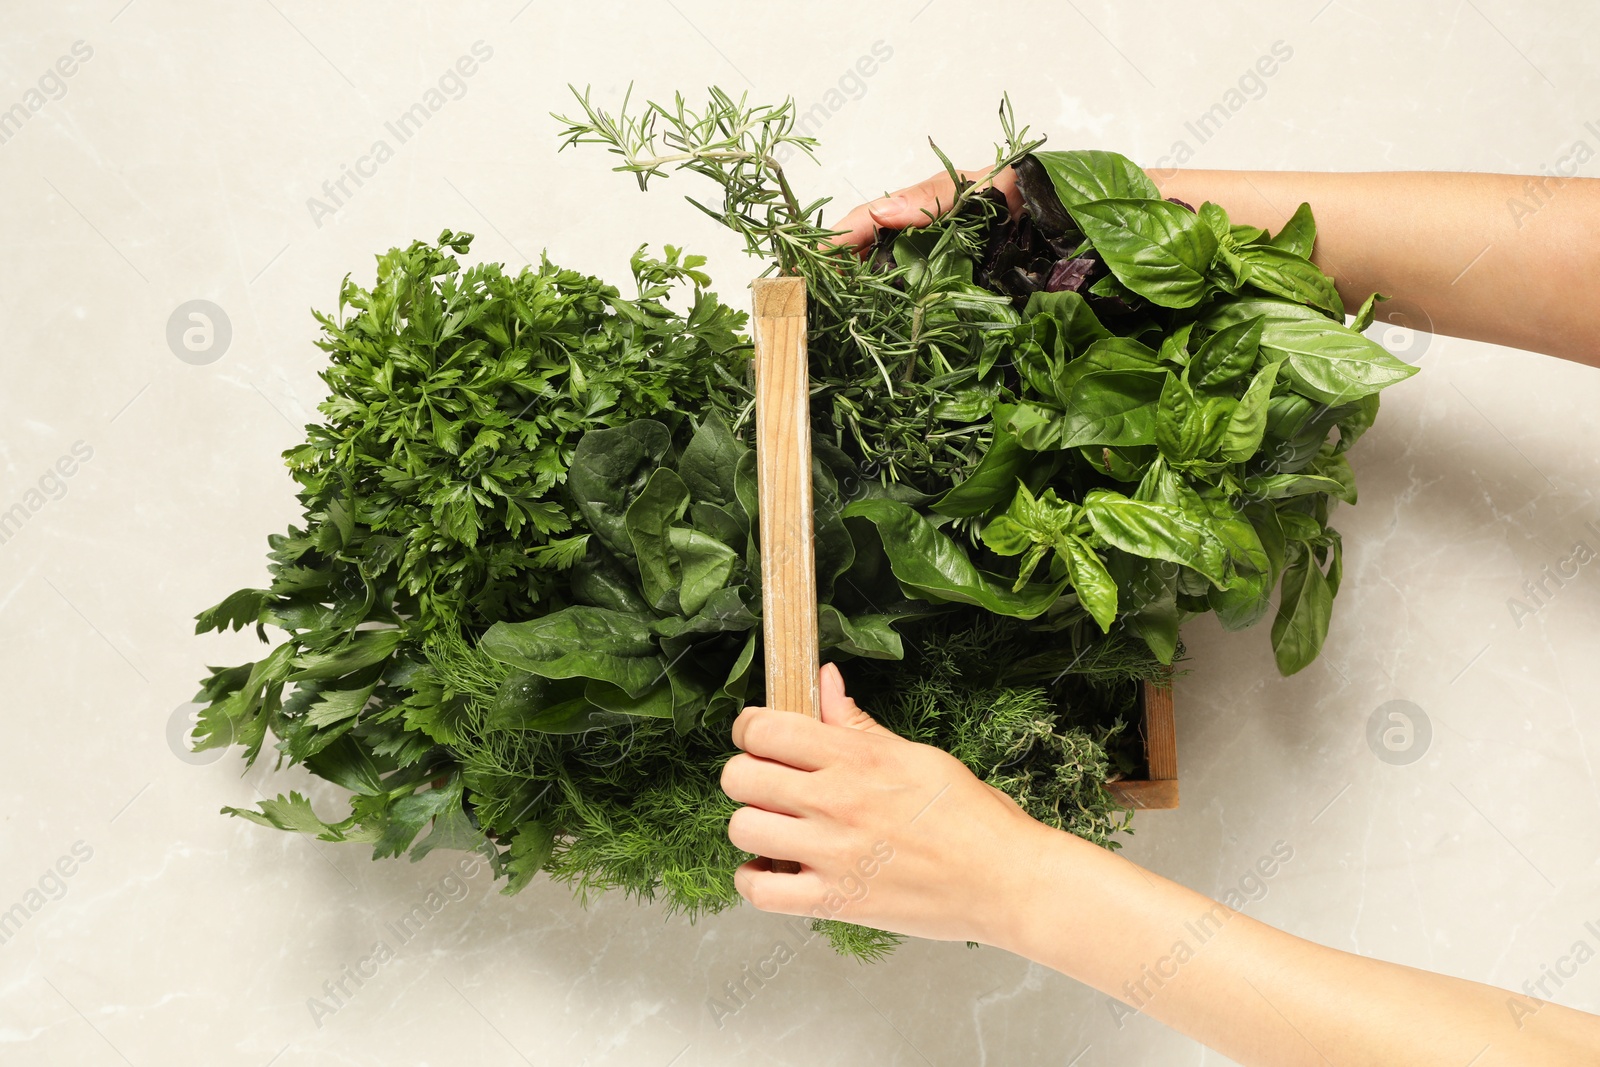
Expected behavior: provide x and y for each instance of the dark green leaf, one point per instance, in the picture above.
(870, 636)
(580, 642)
(236, 612)
(710, 460)
(648, 522)
(992, 482)
(367, 648)
(609, 468)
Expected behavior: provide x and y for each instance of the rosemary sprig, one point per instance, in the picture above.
(896, 347)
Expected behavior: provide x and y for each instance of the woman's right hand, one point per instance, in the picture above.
(916, 204)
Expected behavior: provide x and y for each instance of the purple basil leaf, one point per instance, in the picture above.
(1069, 275)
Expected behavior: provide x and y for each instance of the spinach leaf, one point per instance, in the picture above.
(870, 636)
(710, 460)
(609, 468)
(648, 521)
(580, 642)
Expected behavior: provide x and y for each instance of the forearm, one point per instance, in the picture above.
(1255, 993)
(1509, 259)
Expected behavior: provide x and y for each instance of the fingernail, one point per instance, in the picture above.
(889, 205)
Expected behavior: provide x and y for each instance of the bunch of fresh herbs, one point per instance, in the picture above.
(524, 602)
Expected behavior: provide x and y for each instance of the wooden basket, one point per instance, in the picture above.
(789, 627)
(1160, 790)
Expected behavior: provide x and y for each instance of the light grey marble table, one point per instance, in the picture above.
(195, 153)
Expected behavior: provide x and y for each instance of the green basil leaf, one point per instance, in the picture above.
(1245, 604)
(1228, 354)
(1159, 531)
(1355, 421)
(1084, 175)
(1180, 422)
(1264, 519)
(1297, 525)
(1063, 317)
(1299, 234)
(992, 482)
(1305, 605)
(1293, 277)
(932, 566)
(1242, 438)
(1112, 408)
(1157, 249)
(1322, 359)
(1337, 468)
(1148, 598)
(1368, 312)
(1283, 486)
(1175, 346)
(1097, 591)
(1335, 562)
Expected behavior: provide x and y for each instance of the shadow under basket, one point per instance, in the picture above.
(1160, 788)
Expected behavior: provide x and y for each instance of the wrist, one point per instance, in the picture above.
(1051, 885)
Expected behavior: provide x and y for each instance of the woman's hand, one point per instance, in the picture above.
(888, 833)
(916, 204)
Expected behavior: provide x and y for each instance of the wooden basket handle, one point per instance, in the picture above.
(783, 469)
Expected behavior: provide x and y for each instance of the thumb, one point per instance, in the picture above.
(839, 710)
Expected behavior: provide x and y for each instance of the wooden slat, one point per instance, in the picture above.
(1143, 794)
(783, 471)
(783, 468)
(1160, 732)
(1160, 789)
